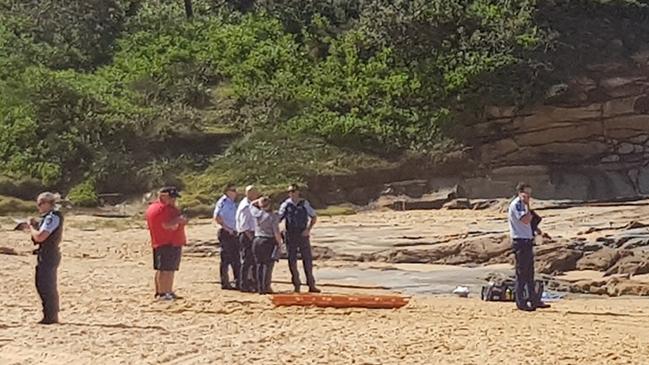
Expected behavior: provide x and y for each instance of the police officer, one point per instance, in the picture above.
(299, 219)
(47, 234)
(520, 218)
(225, 213)
(266, 242)
(246, 229)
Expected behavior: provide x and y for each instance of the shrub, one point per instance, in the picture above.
(84, 194)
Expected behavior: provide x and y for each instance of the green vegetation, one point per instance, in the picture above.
(83, 194)
(15, 205)
(336, 210)
(127, 95)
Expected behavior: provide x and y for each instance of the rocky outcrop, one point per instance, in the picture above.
(634, 264)
(591, 141)
(480, 250)
(554, 259)
(613, 287)
(600, 260)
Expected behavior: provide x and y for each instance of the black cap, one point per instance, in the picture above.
(170, 190)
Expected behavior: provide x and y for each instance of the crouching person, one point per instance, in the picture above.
(267, 239)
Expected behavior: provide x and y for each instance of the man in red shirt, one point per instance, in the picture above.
(167, 229)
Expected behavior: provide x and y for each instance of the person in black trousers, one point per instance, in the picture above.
(299, 219)
(267, 240)
(47, 233)
(225, 213)
(521, 219)
(246, 229)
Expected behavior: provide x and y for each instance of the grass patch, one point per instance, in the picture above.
(271, 160)
(118, 224)
(9, 205)
(336, 210)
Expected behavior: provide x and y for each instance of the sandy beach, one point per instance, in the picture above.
(109, 314)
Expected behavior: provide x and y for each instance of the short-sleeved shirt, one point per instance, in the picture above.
(267, 223)
(156, 216)
(245, 220)
(226, 208)
(309, 209)
(518, 229)
(49, 222)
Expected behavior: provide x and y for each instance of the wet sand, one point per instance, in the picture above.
(109, 315)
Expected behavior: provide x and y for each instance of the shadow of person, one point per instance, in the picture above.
(114, 325)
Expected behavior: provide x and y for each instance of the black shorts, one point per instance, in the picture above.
(167, 258)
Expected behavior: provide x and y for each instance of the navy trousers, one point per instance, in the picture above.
(248, 275)
(229, 257)
(524, 255)
(46, 282)
(295, 243)
(262, 248)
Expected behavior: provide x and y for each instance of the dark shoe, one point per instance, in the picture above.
(527, 309)
(296, 289)
(542, 305)
(314, 290)
(157, 295)
(176, 297)
(48, 321)
(227, 287)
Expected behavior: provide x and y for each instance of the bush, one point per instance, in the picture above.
(84, 194)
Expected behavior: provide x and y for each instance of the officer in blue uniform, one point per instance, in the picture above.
(299, 218)
(523, 223)
(47, 233)
(225, 213)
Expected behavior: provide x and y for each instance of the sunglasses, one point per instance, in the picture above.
(232, 190)
(292, 191)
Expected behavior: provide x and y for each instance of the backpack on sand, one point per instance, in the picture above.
(505, 291)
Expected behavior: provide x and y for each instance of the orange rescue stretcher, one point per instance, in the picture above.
(340, 300)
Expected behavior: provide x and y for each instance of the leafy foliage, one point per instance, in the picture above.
(104, 91)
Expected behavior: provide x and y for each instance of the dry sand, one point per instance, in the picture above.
(109, 315)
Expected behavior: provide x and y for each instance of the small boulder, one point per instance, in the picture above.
(458, 204)
(556, 259)
(632, 265)
(600, 260)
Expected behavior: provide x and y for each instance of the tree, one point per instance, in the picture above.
(189, 10)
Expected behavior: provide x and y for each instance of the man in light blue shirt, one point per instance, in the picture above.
(225, 213)
(520, 227)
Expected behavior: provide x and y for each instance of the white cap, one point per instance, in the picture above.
(250, 188)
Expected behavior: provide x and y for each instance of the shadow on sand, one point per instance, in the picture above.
(114, 325)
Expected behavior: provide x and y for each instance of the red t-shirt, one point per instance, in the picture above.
(157, 214)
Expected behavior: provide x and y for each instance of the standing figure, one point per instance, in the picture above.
(267, 240)
(225, 213)
(299, 219)
(520, 218)
(47, 233)
(167, 229)
(246, 230)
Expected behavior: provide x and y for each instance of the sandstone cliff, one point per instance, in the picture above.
(588, 140)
